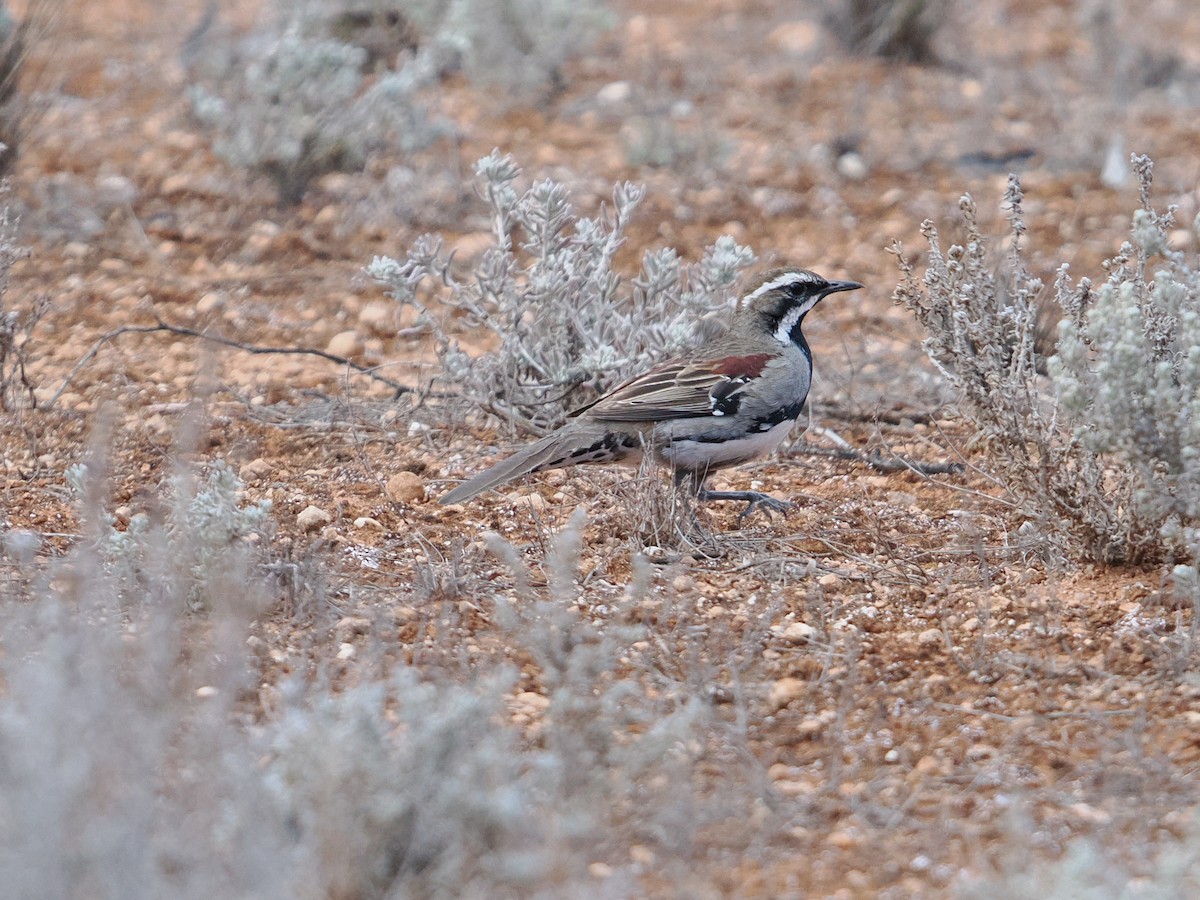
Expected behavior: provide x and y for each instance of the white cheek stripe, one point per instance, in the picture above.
(783, 333)
(785, 279)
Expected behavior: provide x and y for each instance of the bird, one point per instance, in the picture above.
(732, 399)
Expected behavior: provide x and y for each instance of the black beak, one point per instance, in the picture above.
(836, 287)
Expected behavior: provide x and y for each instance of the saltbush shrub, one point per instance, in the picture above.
(1103, 452)
(564, 324)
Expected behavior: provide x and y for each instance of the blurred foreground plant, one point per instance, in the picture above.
(136, 747)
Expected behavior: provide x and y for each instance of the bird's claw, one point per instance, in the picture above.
(768, 504)
(754, 500)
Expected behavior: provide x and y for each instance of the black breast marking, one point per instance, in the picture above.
(789, 413)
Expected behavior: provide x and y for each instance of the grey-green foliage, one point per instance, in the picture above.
(1128, 373)
(302, 104)
(131, 768)
(16, 324)
(1089, 870)
(207, 534)
(519, 45)
(1103, 454)
(565, 324)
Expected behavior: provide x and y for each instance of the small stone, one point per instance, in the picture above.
(600, 870)
(206, 691)
(1180, 239)
(378, 317)
(795, 38)
(255, 471)
(345, 651)
(345, 344)
(327, 216)
(843, 839)
(312, 517)
(179, 183)
(210, 302)
(828, 580)
(798, 633)
(1089, 814)
(930, 637)
(642, 855)
(613, 93)
(406, 487)
(792, 788)
(533, 502)
(116, 190)
(785, 690)
(810, 728)
(852, 166)
(368, 522)
(349, 626)
(532, 701)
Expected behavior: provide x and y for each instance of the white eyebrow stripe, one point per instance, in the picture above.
(784, 279)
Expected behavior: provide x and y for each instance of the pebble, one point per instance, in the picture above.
(810, 728)
(406, 487)
(254, 471)
(929, 637)
(642, 855)
(828, 580)
(614, 92)
(531, 701)
(852, 166)
(368, 522)
(795, 38)
(210, 302)
(312, 517)
(348, 626)
(378, 317)
(345, 343)
(798, 633)
(785, 690)
(531, 501)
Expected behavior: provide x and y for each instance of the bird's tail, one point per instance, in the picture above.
(577, 443)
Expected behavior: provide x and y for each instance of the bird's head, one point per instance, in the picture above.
(778, 300)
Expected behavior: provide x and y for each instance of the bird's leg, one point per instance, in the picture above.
(753, 499)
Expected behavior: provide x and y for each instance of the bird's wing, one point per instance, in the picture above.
(680, 389)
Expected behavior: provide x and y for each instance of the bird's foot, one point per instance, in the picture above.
(754, 500)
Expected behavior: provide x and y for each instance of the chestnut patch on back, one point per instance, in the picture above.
(741, 366)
